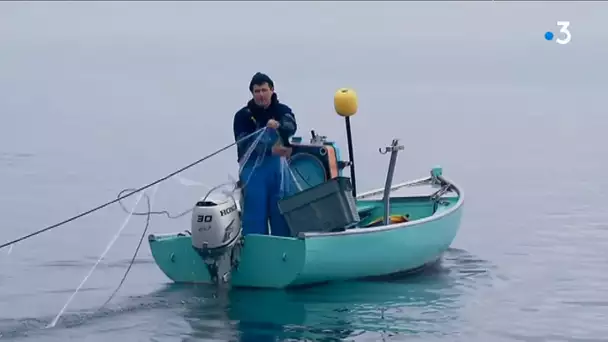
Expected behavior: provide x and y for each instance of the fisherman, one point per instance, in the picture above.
(263, 175)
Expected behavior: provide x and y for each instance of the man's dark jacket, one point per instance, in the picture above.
(252, 117)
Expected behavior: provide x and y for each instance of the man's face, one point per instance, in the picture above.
(262, 94)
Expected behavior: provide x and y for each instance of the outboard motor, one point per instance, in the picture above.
(216, 236)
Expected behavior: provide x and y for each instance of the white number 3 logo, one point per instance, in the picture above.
(564, 30)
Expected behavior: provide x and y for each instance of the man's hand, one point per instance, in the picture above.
(272, 124)
(281, 151)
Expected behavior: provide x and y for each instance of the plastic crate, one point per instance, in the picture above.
(327, 207)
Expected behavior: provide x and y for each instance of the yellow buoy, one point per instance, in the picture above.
(345, 102)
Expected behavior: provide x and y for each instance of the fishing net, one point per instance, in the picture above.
(288, 183)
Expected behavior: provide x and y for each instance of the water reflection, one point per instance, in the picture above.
(427, 303)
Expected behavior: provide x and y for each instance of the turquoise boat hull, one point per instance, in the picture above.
(311, 258)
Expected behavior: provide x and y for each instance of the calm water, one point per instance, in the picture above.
(97, 97)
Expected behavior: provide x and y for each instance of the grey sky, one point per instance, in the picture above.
(259, 21)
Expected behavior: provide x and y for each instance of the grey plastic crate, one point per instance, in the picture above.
(323, 208)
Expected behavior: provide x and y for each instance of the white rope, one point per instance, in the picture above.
(151, 202)
(250, 149)
(247, 155)
(293, 176)
(122, 227)
(189, 182)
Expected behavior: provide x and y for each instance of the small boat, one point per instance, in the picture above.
(337, 234)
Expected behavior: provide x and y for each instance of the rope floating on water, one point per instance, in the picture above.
(124, 224)
(150, 201)
(132, 212)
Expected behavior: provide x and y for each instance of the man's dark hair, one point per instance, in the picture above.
(259, 79)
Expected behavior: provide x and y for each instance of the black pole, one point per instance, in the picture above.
(351, 155)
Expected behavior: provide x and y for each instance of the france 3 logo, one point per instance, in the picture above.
(563, 37)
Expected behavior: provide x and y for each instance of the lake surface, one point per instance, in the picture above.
(98, 97)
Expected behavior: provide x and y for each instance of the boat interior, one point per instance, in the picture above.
(403, 208)
(319, 160)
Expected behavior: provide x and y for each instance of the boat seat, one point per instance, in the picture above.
(365, 212)
(365, 209)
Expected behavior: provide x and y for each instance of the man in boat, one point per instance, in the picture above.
(264, 183)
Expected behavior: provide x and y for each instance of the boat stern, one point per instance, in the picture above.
(266, 261)
(174, 255)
